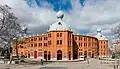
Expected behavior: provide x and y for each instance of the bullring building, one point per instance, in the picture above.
(60, 43)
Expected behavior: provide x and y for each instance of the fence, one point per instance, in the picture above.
(110, 61)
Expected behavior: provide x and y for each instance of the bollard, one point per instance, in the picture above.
(114, 67)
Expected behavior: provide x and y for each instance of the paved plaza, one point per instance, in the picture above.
(93, 64)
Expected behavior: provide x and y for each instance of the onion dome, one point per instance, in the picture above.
(60, 14)
(99, 36)
(99, 30)
(59, 25)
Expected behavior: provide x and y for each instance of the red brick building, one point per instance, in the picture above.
(60, 43)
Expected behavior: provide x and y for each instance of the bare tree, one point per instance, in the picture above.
(17, 42)
(9, 27)
(116, 34)
(116, 31)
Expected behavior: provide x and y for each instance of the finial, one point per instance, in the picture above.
(99, 30)
(60, 14)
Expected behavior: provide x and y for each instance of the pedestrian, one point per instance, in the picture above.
(41, 61)
(88, 60)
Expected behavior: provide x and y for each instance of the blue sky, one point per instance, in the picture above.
(84, 16)
(64, 5)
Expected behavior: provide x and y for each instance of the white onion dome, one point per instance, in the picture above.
(59, 25)
(99, 36)
(60, 14)
(99, 30)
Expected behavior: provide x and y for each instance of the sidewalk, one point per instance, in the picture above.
(93, 64)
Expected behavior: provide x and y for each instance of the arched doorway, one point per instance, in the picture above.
(45, 55)
(35, 54)
(59, 55)
(28, 55)
(89, 54)
(92, 54)
(69, 55)
(49, 56)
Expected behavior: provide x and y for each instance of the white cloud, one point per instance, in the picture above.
(102, 13)
(36, 18)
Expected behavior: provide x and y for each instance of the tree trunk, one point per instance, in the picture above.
(17, 50)
(10, 52)
(10, 58)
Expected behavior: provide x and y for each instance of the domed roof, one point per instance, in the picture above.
(99, 36)
(59, 25)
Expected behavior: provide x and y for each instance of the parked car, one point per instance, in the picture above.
(81, 58)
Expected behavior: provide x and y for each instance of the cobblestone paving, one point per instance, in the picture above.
(93, 64)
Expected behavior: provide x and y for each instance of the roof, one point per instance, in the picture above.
(100, 36)
(59, 25)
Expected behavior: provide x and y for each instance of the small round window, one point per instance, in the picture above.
(59, 23)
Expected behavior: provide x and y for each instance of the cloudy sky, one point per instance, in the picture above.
(84, 16)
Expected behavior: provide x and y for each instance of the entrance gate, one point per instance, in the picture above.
(59, 55)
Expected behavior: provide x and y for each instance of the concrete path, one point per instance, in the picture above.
(93, 64)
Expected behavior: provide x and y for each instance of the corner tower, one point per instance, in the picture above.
(103, 44)
(60, 36)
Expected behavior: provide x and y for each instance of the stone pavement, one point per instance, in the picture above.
(93, 64)
(5, 66)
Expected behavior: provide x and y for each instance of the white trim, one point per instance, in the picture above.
(53, 59)
(71, 58)
(31, 56)
(40, 57)
(103, 56)
(65, 58)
